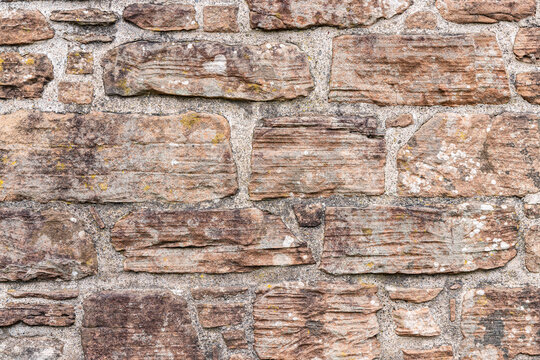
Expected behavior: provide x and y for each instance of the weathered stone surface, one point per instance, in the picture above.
(235, 339)
(301, 14)
(316, 155)
(88, 38)
(209, 69)
(220, 18)
(30, 348)
(402, 120)
(45, 294)
(471, 155)
(422, 20)
(532, 210)
(80, 63)
(24, 76)
(138, 325)
(88, 16)
(528, 86)
(500, 323)
(440, 353)
(23, 27)
(415, 323)
(414, 295)
(418, 239)
(309, 215)
(106, 157)
(322, 321)
(532, 248)
(81, 93)
(418, 70)
(217, 292)
(206, 241)
(527, 44)
(485, 11)
(37, 314)
(223, 314)
(44, 245)
(162, 17)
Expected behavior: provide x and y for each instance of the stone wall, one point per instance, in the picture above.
(270, 179)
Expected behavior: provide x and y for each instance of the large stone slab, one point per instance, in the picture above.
(161, 17)
(418, 239)
(24, 76)
(316, 155)
(485, 11)
(44, 245)
(37, 314)
(206, 241)
(527, 44)
(209, 69)
(138, 325)
(106, 157)
(321, 321)
(23, 27)
(419, 70)
(301, 14)
(500, 323)
(472, 155)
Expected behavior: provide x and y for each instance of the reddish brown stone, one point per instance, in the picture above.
(309, 215)
(532, 248)
(472, 155)
(223, 314)
(24, 76)
(528, 86)
(527, 44)
(209, 69)
(500, 323)
(97, 218)
(414, 295)
(315, 155)
(106, 157)
(412, 70)
(23, 27)
(162, 17)
(206, 241)
(415, 323)
(217, 292)
(81, 93)
(441, 353)
(88, 16)
(45, 294)
(220, 18)
(452, 310)
(80, 63)
(235, 339)
(485, 11)
(30, 348)
(402, 120)
(422, 20)
(88, 38)
(418, 240)
(322, 321)
(37, 314)
(138, 325)
(44, 245)
(299, 14)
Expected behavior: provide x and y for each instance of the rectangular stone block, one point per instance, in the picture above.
(441, 353)
(418, 322)
(162, 17)
(485, 11)
(222, 314)
(85, 16)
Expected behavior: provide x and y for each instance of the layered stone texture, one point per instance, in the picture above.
(19, 27)
(485, 11)
(527, 44)
(85, 16)
(24, 76)
(44, 294)
(162, 17)
(37, 314)
(441, 353)
(528, 86)
(414, 295)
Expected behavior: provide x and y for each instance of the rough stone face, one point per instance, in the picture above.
(138, 325)
(235, 339)
(500, 323)
(206, 241)
(440, 353)
(532, 210)
(527, 44)
(106, 157)
(472, 154)
(301, 14)
(221, 18)
(528, 86)
(80, 63)
(309, 215)
(422, 20)
(44, 245)
(414, 295)
(89, 16)
(316, 155)
(224, 314)
(415, 323)
(418, 239)
(402, 120)
(24, 76)
(485, 11)
(413, 70)
(166, 17)
(37, 314)
(81, 93)
(88, 38)
(217, 292)
(30, 348)
(322, 321)
(208, 69)
(532, 249)
(23, 27)
(45, 294)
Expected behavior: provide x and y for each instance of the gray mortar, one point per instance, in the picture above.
(243, 116)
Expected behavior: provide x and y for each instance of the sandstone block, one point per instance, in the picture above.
(415, 323)
(485, 11)
(81, 93)
(37, 314)
(162, 17)
(528, 86)
(87, 16)
(527, 44)
(220, 18)
(19, 27)
(24, 76)
(414, 295)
